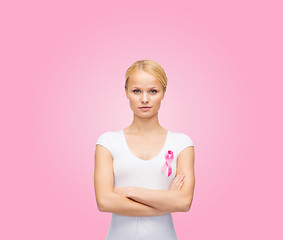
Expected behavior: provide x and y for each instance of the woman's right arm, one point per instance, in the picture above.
(109, 201)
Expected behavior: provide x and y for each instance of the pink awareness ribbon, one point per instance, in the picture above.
(168, 157)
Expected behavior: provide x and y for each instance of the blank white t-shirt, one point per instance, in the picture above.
(130, 170)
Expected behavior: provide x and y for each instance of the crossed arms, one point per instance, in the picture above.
(136, 201)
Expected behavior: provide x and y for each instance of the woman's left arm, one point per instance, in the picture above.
(168, 200)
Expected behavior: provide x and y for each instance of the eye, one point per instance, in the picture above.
(154, 91)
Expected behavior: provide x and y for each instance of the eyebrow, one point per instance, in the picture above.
(148, 88)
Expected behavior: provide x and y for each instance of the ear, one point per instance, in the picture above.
(164, 93)
(126, 91)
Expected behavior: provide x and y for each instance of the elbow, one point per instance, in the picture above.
(106, 203)
(101, 205)
(186, 205)
(101, 208)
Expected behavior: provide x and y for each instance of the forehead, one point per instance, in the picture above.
(143, 79)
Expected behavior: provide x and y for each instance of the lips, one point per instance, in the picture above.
(144, 107)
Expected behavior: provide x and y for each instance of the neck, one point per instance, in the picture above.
(146, 126)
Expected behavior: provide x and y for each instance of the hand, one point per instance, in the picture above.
(122, 191)
(177, 182)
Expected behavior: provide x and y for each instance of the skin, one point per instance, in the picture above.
(144, 90)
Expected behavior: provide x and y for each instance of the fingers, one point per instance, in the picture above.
(181, 184)
(180, 178)
(177, 182)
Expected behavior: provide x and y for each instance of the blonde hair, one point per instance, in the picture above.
(149, 66)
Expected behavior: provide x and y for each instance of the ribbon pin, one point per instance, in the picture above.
(168, 157)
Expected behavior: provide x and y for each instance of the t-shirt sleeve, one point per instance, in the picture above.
(185, 141)
(105, 140)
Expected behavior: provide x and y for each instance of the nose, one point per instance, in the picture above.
(145, 97)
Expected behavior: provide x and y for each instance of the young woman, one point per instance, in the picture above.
(143, 173)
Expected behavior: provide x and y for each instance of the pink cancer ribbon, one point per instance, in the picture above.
(168, 157)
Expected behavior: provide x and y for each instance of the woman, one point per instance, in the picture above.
(144, 172)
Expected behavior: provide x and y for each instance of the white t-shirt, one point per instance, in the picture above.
(130, 170)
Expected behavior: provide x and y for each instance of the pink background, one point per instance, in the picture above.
(62, 79)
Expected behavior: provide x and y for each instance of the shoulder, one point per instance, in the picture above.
(185, 137)
(110, 140)
(182, 141)
(108, 136)
(110, 133)
(181, 136)
(104, 136)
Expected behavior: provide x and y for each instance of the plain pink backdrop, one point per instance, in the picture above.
(62, 79)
